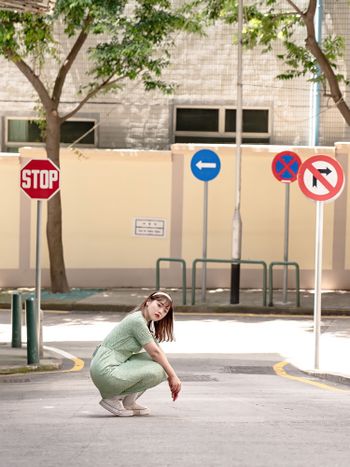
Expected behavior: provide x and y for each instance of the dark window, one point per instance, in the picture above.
(219, 140)
(73, 130)
(197, 119)
(28, 131)
(254, 121)
(24, 131)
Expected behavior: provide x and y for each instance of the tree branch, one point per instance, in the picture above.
(32, 78)
(107, 83)
(311, 9)
(68, 62)
(315, 49)
(296, 8)
(284, 13)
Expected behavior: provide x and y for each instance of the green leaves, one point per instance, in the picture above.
(134, 39)
(24, 34)
(267, 22)
(138, 41)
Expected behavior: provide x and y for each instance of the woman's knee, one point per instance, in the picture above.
(158, 373)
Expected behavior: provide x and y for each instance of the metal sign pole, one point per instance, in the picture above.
(286, 241)
(318, 281)
(205, 241)
(237, 220)
(38, 277)
(320, 178)
(205, 165)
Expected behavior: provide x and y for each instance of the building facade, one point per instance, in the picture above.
(202, 108)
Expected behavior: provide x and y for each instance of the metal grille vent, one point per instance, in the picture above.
(249, 370)
(196, 378)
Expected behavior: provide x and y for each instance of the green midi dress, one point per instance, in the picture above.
(118, 367)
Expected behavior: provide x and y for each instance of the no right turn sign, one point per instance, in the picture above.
(321, 178)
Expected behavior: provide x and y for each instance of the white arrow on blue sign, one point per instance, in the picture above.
(205, 165)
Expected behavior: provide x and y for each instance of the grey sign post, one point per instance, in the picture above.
(205, 166)
(320, 178)
(40, 180)
(285, 167)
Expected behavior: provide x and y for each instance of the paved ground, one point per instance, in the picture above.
(335, 338)
(236, 408)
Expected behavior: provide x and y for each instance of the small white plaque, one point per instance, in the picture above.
(149, 227)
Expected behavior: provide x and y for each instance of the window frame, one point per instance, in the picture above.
(221, 122)
(14, 144)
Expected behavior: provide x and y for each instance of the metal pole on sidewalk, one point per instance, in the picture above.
(38, 311)
(286, 241)
(16, 314)
(237, 221)
(318, 281)
(32, 336)
(205, 242)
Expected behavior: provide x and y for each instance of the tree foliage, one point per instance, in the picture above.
(269, 21)
(132, 40)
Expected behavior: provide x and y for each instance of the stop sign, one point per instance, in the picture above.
(40, 179)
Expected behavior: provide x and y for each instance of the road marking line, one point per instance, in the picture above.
(78, 363)
(280, 371)
(58, 312)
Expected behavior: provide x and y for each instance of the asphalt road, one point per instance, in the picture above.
(237, 408)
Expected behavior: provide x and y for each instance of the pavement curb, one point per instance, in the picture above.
(333, 377)
(200, 308)
(45, 365)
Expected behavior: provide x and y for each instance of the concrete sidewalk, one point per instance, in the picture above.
(334, 304)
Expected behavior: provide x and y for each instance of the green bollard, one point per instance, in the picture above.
(32, 337)
(16, 313)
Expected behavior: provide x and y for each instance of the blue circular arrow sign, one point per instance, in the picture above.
(205, 165)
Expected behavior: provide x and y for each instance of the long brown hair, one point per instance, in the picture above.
(163, 329)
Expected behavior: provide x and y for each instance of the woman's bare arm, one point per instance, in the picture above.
(157, 354)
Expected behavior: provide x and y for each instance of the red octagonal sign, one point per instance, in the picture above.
(40, 179)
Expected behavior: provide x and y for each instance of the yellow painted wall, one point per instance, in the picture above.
(262, 208)
(104, 190)
(10, 214)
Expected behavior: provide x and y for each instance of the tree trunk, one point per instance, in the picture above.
(59, 281)
(316, 51)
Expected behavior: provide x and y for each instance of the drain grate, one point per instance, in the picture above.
(249, 370)
(196, 378)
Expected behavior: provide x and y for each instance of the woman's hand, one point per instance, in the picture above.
(175, 386)
(158, 356)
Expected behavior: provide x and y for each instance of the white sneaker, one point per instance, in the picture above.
(116, 407)
(129, 402)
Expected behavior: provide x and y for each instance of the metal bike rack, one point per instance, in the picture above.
(173, 260)
(229, 261)
(297, 279)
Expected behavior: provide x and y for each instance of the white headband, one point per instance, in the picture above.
(165, 295)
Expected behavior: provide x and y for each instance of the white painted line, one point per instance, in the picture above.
(78, 363)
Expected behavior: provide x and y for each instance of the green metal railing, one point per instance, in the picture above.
(297, 279)
(173, 260)
(229, 261)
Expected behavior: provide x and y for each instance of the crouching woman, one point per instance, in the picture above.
(121, 372)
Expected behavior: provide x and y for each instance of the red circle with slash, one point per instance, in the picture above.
(321, 178)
